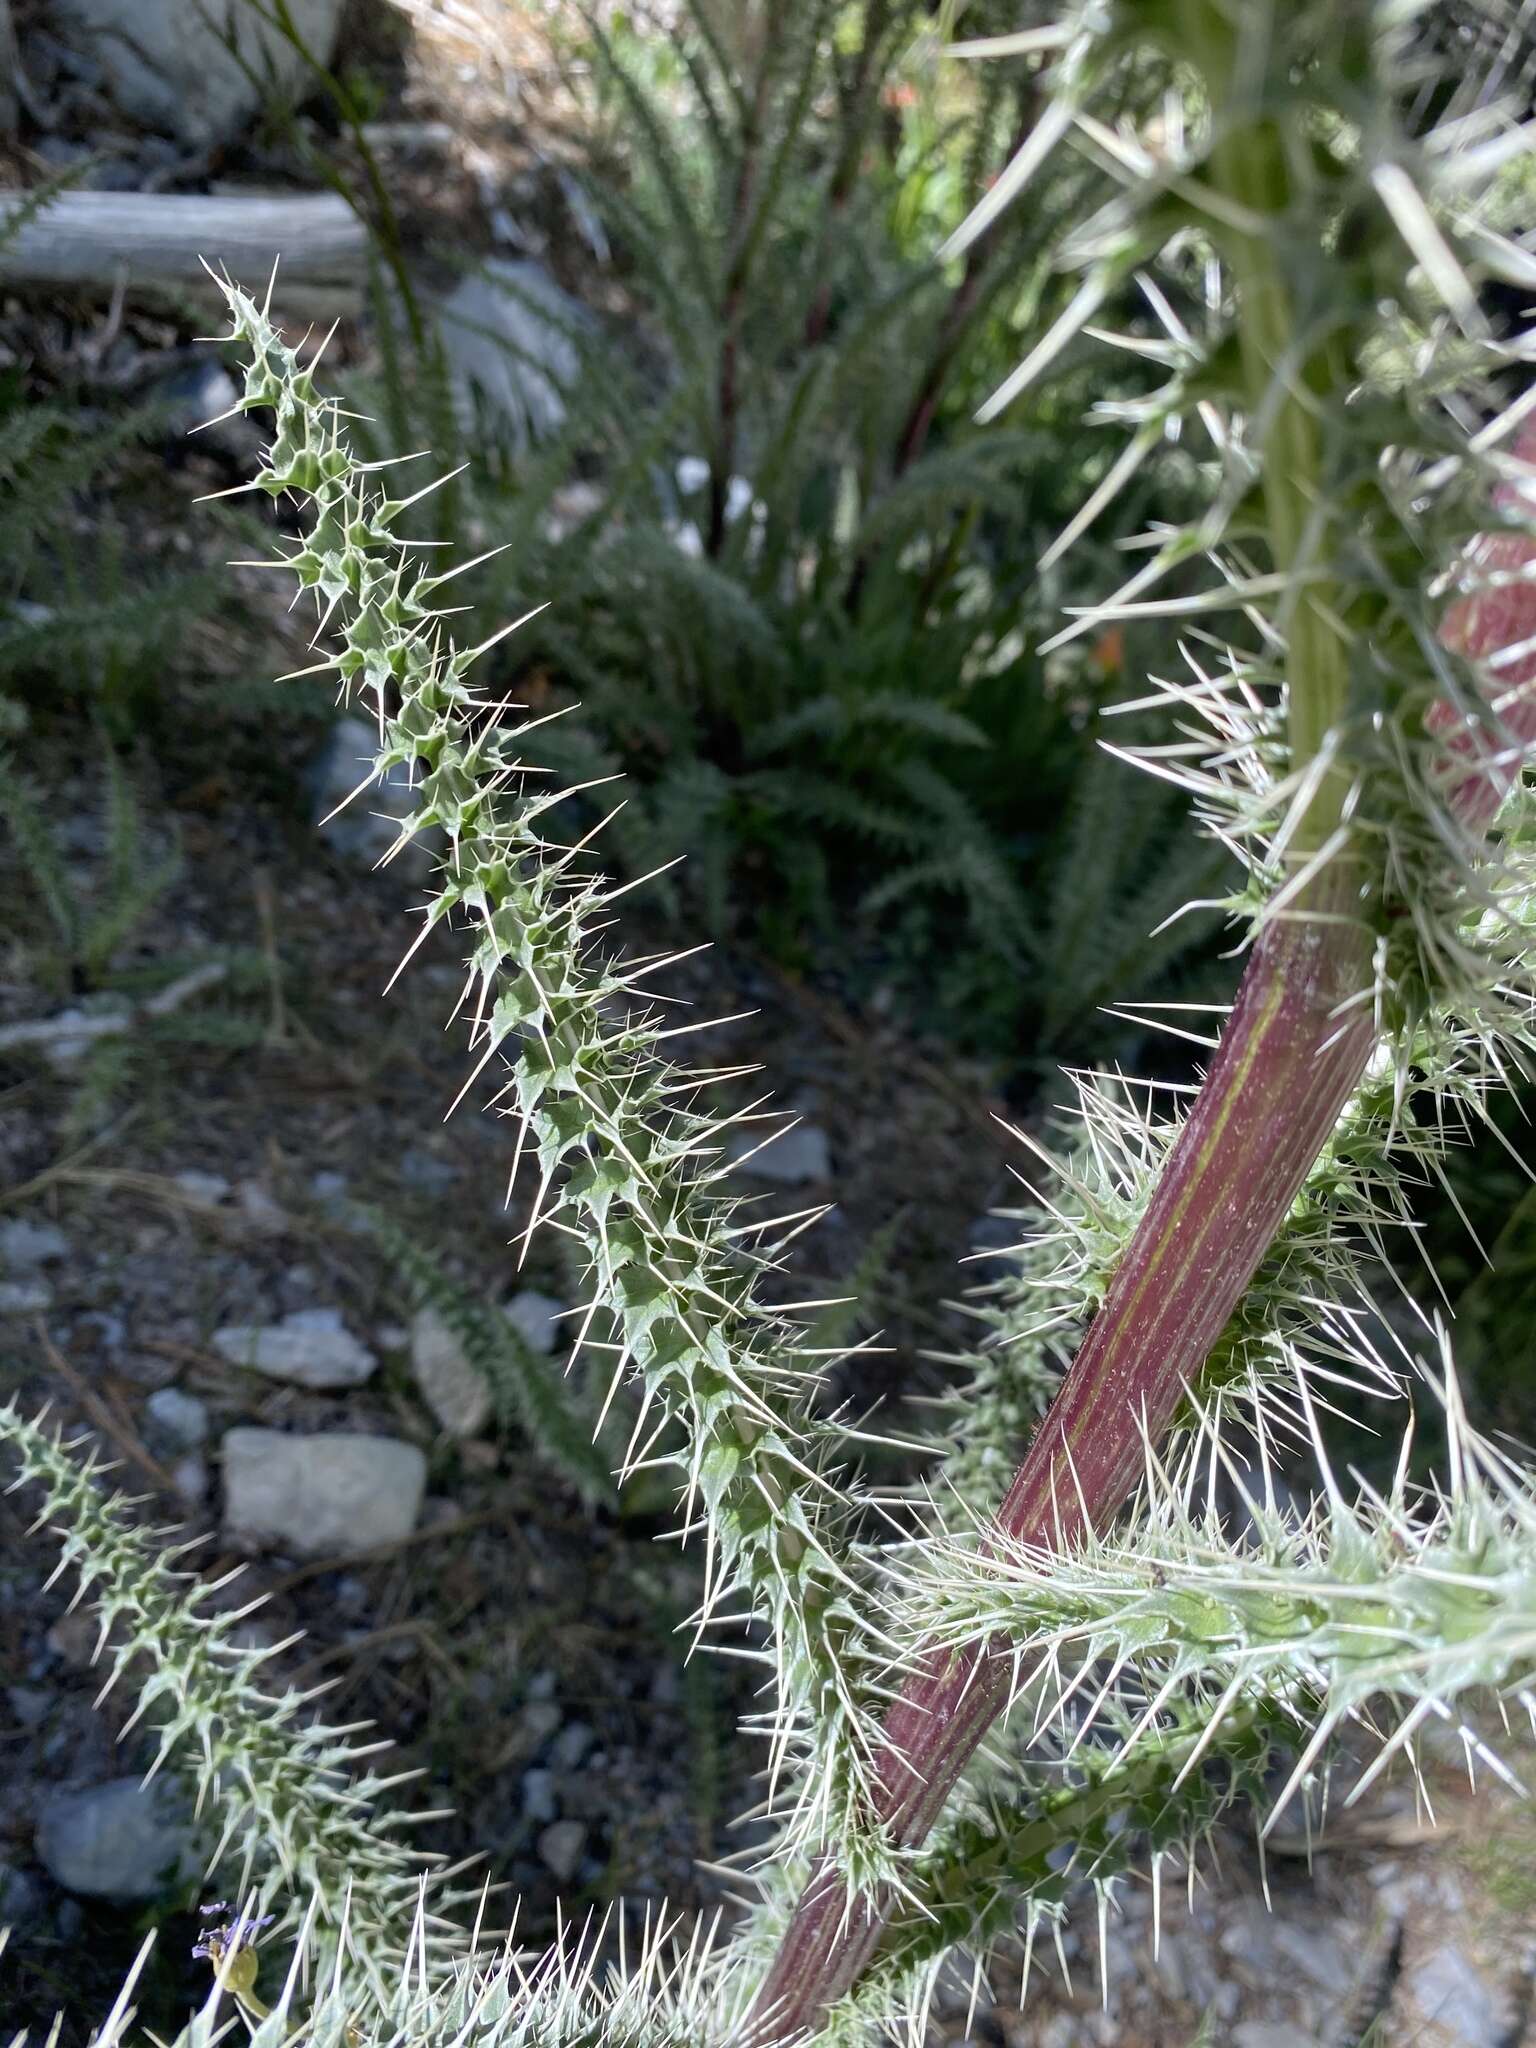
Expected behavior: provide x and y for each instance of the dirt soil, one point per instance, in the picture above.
(514, 1632)
(523, 1650)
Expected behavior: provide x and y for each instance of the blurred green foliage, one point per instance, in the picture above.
(792, 586)
(87, 611)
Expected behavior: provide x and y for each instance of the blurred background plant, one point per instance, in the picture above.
(794, 589)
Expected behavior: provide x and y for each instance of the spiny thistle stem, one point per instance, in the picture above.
(626, 1159)
(1294, 1051)
(286, 1808)
(1301, 1033)
(1285, 1069)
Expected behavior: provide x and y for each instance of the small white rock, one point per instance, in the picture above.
(571, 1745)
(123, 1840)
(329, 1495)
(182, 1417)
(24, 1244)
(260, 1209)
(189, 1476)
(539, 1720)
(561, 1846)
(539, 1795)
(207, 1189)
(368, 826)
(29, 1703)
(450, 1385)
(311, 1348)
(1450, 1994)
(1328, 1958)
(24, 1297)
(802, 1154)
(536, 1317)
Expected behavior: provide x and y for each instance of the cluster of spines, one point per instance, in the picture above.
(1410, 1596)
(602, 1988)
(1162, 1672)
(280, 1796)
(1024, 1846)
(1305, 1328)
(1404, 488)
(1308, 1301)
(625, 1162)
(1407, 466)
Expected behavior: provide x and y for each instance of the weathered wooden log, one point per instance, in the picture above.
(93, 239)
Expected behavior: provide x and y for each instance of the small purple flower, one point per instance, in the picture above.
(218, 1944)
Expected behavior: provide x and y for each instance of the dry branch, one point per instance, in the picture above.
(159, 238)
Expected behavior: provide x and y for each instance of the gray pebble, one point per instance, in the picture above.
(561, 1847)
(298, 1287)
(1328, 1959)
(260, 1210)
(803, 1153)
(24, 1297)
(536, 1317)
(181, 1417)
(29, 1703)
(539, 1795)
(366, 827)
(24, 1244)
(450, 1385)
(329, 1495)
(309, 1348)
(123, 1840)
(21, 1899)
(189, 1476)
(540, 1719)
(1449, 1992)
(571, 1745)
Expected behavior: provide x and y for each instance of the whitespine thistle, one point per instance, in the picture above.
(625, 1160)
(1354, 721)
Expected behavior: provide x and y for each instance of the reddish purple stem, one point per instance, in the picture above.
(1294, 1049)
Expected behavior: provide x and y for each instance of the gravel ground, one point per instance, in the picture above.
(519, 1646)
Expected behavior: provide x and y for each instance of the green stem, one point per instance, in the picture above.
(1295, 1047)
(1285, 372)
(969, 1890)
